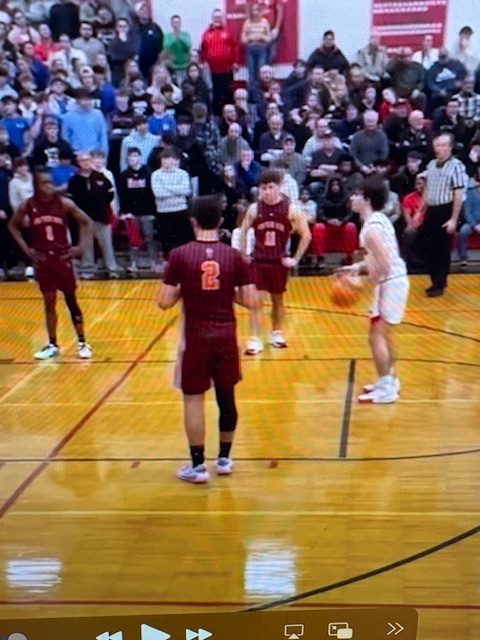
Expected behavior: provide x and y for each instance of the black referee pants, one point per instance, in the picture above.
(437, 244)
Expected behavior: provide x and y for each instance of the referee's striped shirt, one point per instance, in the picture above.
(443, 179)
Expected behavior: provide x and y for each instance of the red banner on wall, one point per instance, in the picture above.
(404, 23)
(286, 47)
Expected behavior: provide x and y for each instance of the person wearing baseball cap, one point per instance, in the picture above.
(291, 160)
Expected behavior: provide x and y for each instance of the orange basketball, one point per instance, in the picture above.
(344, 293)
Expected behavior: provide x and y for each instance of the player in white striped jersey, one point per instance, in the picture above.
(388, 273)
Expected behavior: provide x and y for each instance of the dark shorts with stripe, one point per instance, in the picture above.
(270, 276)
(55, 274)
(199, 368)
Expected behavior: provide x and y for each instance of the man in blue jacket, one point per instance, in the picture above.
(444, 78)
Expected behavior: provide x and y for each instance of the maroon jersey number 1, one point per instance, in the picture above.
(49, 233)
(210, 275)
(270, 239)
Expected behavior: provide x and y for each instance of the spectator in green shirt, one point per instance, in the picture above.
(177, 45)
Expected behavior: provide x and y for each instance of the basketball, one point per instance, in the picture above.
(345, 290)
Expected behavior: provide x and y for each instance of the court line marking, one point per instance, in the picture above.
(422, 456)
(244, 512)
(38, 368)
(300, 401)
(369, 574)
(404, 322)
(25, 484)
(304, 359)
(347, 410)
(216, 604)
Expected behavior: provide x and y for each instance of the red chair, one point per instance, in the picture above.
(327, 238)
(474, 241)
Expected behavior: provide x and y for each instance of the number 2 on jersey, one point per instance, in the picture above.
(210, 275)
(270, 239)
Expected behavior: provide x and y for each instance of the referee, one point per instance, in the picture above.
(442, 202)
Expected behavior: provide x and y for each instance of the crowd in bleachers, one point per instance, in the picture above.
(132, 120)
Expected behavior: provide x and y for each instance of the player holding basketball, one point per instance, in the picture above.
(388, 272)
(274, 219)
(47, 214)
(208, 276)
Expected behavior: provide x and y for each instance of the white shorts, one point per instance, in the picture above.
(390, 300)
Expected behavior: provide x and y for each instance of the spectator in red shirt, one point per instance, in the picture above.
(413, 216)
(219, 50)
(386, 107)
(46, 47)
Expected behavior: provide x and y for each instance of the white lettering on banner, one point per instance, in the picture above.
(389, 7)
(404, 22)
(409, 28)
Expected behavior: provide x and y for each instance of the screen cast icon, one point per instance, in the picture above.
(294, 631)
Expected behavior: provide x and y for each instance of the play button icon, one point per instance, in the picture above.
(150, 633)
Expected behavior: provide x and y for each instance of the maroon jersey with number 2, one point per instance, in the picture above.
(49, 236)
(208, 273)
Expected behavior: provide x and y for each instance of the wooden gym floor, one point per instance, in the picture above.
(382, 499)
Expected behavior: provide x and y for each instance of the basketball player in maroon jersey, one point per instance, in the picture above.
(51, 252)
(274, 219)
(208, 276)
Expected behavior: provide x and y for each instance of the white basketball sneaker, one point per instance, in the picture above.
(224, 466)
(84, 351)
(196, 475)
(277, 340)
(368, 388)
(384, 393)
(47, 353)
(254, 346)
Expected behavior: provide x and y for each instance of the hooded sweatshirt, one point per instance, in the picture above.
(85, 130)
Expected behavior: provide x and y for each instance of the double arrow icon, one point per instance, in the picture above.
(200, 634)
(395, 629)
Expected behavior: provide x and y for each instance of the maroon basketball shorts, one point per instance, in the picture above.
(270, 276)
(197, 368)
(55, 274)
